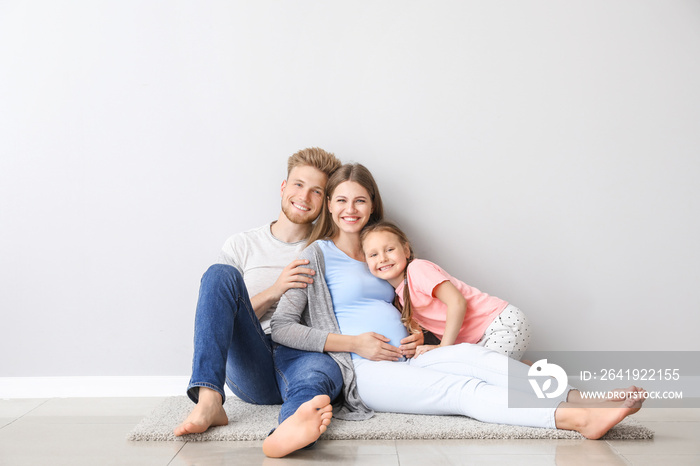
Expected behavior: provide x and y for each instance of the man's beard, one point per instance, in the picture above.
(295, 216)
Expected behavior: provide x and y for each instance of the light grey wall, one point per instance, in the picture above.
(545, 152)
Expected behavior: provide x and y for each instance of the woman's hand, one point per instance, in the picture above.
(410, 343)
(424, 349)
(374, 347)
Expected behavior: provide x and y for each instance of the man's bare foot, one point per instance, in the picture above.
(594, 422)
(300, 429)
(208, 412)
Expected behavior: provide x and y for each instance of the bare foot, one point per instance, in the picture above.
(618, 394)
(594, 422)
(208, 412)
(300, 429)
(602, 420)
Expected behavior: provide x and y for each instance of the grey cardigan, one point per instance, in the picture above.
(303, 320)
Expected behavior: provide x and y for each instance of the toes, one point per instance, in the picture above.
(328, 409)
(320, 401)
(630, 402)
(181, 430)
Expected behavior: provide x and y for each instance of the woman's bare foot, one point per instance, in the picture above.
(300, 429)
(208, 412)
(618, 394)
(594, 422)
(632, 391)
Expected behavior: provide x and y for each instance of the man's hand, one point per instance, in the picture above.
(374, 346)
(410, 343)
(292, 276)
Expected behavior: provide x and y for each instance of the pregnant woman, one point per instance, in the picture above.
(348, 313)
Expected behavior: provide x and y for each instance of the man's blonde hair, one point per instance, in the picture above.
(314, 157)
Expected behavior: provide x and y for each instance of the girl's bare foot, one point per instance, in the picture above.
(208, 412)
(300, 429)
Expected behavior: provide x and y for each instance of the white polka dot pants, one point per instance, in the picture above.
(509, 333)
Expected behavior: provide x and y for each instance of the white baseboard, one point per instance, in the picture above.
(91, 387)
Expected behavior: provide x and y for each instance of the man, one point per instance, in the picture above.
(236, 300)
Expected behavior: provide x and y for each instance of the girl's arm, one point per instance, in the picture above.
(456, 310)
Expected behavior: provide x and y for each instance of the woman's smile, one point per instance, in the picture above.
(350, 206)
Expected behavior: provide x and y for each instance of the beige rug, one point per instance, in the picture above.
(254, 422)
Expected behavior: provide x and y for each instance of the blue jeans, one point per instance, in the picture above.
(231, 347)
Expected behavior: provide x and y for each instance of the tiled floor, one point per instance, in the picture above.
(92, 431)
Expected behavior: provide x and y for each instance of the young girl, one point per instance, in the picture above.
(449, 308)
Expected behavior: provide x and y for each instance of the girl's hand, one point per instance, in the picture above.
(424, 349)
(374, 347)
(410, 343)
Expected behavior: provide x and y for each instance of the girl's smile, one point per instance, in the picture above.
(386, 257)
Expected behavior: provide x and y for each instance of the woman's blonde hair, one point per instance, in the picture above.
(407, 308)
(325, 228)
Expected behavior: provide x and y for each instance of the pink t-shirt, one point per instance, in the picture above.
(431, 313)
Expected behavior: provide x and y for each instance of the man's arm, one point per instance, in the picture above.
(235, 251)
(292, 276)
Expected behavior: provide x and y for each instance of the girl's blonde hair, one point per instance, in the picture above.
(407, 308)
(325, 228)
